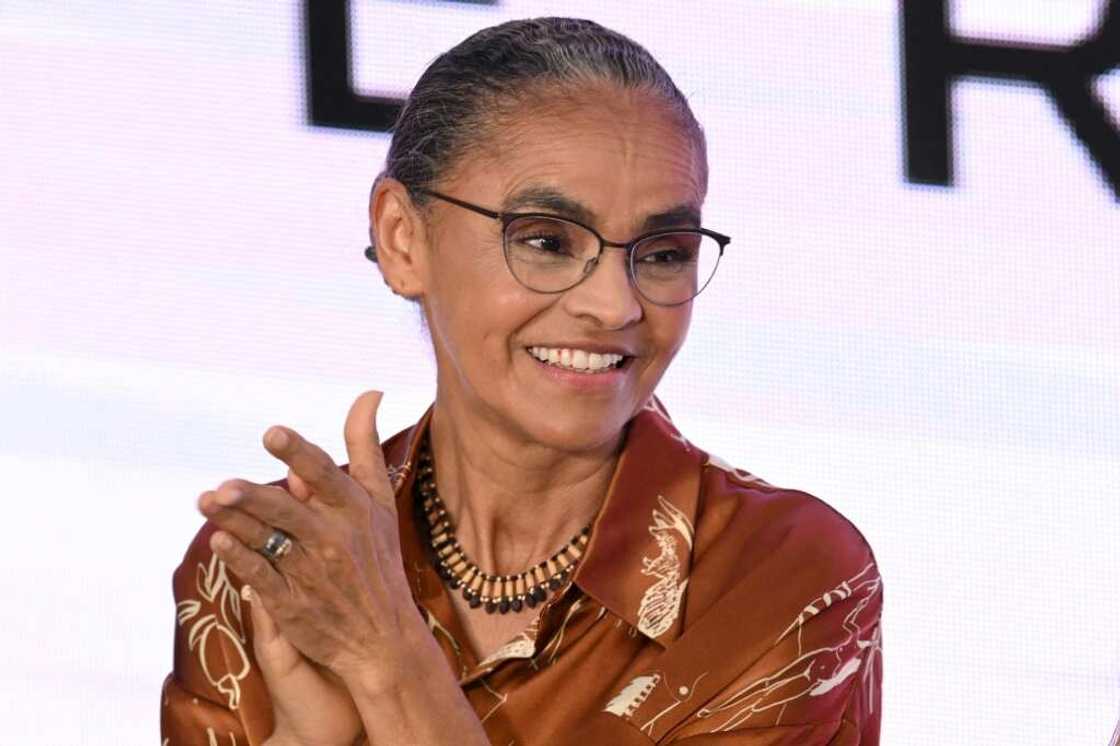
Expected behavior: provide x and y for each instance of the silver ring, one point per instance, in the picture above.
(276, 546)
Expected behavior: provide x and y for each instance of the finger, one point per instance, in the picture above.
(248, 530)
(310, 463)
(294, 682)
(276, 656)
(363, 446)
(264, 627)
(298, 487)
(270, 505)
(246, 564)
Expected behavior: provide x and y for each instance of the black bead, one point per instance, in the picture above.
(531, 600)
(554, 583)
(503, 606)
(537, 594)
(474, 602)
(491, 607)
(454, 583)
(516, 604)
(467, 593)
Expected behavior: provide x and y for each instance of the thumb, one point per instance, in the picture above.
(363, 447)
(298, 488)
(275, 655)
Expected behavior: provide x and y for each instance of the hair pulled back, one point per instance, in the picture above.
(458, 95)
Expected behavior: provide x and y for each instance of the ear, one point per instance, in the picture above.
(397, 233)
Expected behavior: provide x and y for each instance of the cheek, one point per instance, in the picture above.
(478, 302)
(668, 328)
(458, 273)
(467, 264)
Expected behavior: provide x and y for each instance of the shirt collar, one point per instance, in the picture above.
(638, 561)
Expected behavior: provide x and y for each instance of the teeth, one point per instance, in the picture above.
(581, 360)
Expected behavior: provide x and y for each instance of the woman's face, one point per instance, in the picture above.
(618, 161)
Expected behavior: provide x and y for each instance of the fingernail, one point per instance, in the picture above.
(276, 438)
(247, 593)
(229, 496)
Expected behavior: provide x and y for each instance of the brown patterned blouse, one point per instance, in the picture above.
(709, 608)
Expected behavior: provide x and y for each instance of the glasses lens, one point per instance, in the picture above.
(548, 254)
(672, 268)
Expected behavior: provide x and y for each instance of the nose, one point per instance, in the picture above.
(606, 296)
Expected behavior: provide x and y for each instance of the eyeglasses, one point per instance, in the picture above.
(550, 254)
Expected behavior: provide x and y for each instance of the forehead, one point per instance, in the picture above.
(622, 154)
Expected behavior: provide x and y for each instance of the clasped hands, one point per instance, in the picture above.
(334, 614)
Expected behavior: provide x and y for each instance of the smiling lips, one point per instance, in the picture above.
(578, 360)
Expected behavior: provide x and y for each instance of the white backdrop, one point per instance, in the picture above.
(180, 268)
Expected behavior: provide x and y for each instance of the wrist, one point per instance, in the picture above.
(411, 660)
(280, 737)
(414, 697)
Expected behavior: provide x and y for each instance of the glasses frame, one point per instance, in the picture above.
(506, 218)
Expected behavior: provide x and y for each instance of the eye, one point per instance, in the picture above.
(674, 250)
(548, 243)
(543, 236)
(667, 256)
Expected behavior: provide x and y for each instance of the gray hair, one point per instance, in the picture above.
(462, 90)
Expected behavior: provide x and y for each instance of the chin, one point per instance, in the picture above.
(574, 431)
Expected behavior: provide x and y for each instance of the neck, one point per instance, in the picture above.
(514, 501)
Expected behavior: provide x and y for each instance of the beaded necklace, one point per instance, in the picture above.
(500, 593)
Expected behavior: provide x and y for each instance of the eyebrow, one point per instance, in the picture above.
(552, 200)
(681, 215)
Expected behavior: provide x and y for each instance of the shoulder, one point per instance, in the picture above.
(746, 526)
(781, 630)
(201, 575)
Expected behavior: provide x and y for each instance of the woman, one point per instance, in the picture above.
(543, 558)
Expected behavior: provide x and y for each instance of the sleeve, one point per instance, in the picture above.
(214, 695)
